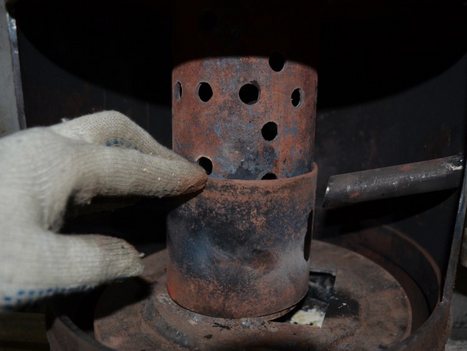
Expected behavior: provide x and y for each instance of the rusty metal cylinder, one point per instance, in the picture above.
(244, 109)
(254, 123)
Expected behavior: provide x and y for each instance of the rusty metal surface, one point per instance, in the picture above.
(119, 308)
(388, 182)
(63, 335)
(241, 248)
(228, 131)
(369, 311)
(253, 80)
(411, 266)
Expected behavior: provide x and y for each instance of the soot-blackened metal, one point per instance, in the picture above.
(240, 248)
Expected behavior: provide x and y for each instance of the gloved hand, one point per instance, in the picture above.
(40, 168)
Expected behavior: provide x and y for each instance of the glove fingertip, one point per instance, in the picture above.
(116, 259)
(194, 180)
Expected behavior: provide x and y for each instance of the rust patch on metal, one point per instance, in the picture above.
(228, 131)
(258, 75)
(238, 248)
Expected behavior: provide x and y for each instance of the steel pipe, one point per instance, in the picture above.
(388, 182)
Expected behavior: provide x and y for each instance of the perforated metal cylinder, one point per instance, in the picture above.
(244, 102)
(244, 117)
(244, 86)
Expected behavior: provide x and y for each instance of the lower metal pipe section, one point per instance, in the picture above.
(388, 182)
(241, 248)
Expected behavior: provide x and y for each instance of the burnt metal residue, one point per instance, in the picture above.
(239, 248)
(314, 306)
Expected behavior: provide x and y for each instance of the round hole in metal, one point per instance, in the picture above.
(178, 91)
(269, 131)
(249, 93)
(204, 91)
(269, 176)
(206, 163)
(296, 97)
(276, 62)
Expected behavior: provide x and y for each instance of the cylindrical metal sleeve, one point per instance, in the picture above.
(240, 248)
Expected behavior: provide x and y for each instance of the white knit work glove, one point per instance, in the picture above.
(40, 168)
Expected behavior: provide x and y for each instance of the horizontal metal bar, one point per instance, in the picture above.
(395, 181)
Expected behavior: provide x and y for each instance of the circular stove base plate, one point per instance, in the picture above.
(368, 310)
